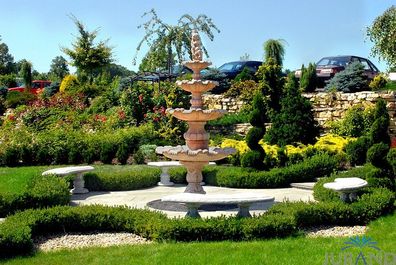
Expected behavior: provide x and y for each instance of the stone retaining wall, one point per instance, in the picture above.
(326, 106)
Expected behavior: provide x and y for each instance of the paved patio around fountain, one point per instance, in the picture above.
(140, 198)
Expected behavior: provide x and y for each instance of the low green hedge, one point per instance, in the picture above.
(16, 231)
(281, 220)
(122, 178)
(43, 191)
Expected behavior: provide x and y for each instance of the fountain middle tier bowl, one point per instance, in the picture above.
(183, 153)
(197, 86)
(198, 115)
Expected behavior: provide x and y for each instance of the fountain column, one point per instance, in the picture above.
(196, 153)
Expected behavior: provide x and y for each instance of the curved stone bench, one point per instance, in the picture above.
(346, 187)
(78, 182)
(165, 165)
(194, 200)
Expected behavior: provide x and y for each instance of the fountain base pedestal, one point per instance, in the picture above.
(194, 175)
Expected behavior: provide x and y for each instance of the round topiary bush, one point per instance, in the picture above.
(376, 155)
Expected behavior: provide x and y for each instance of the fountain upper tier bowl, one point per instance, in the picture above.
(198, 115)
(196, 86)
(197, 65)
(183, 153)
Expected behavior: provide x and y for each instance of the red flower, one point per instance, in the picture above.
(140, 98)
(121, 115)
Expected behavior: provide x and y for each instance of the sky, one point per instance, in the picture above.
(37, 29)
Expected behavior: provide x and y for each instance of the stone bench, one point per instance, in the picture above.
(194, 200)
(346, 187)
(78, 182)
(165, 165)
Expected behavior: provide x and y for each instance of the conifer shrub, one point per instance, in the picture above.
(69, 82)
(376, 155)
(356, 151)
(308, 78)
(255, 157)
(244, 75)
(352, 79)
(378, 83)
(379, 130)
(391, 157)
(295, 122)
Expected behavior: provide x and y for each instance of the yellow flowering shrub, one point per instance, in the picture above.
(240, 146)
(300, 149)
(271, 150)
(332, 143)
(68, 82)
(329, 142)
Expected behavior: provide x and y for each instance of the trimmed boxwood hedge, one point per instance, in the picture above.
(281, 220)
(122, 178)
(43, 191)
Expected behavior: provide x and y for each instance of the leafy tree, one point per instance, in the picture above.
(87, 56)
(59, 68)
(308, 78)
(26, 73)
(7, 65)
(351, 80)
(167, 41)
(295, 121)
(275, 50)
(255, 157)
(383, 34)
(118, 70)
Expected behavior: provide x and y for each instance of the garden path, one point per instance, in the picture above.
(139, 198)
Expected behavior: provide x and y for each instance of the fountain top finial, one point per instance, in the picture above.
(196, 49)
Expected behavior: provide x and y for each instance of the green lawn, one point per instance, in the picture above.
(291, 251)
(15, 179)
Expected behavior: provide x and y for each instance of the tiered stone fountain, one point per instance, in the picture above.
(196, 153)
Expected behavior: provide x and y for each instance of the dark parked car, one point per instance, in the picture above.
(327, 67)
(232, 69)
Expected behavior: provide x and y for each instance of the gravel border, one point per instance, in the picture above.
(83, 240)
(96, 239)
(335, 231)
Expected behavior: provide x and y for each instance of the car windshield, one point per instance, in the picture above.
(340, 61)
(231, 66)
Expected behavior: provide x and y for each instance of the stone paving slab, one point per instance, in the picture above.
(139, 198)
(303, 185)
